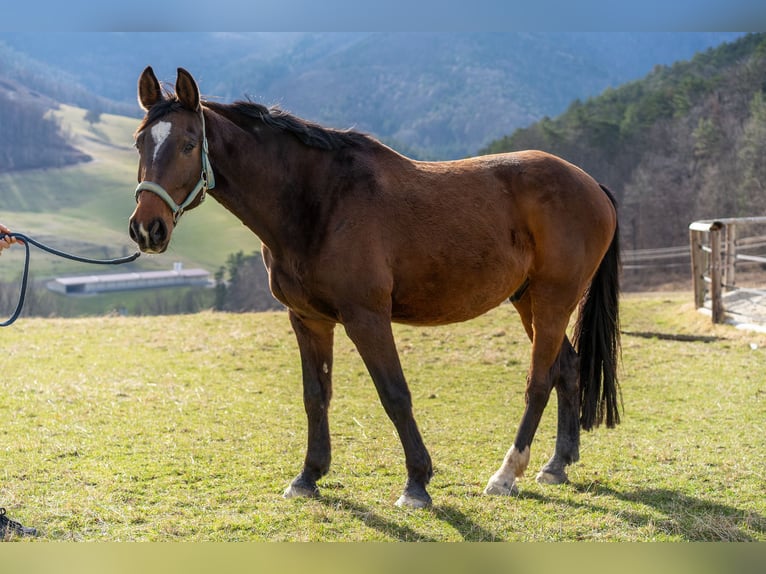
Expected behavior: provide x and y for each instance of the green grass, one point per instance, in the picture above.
(189, 428)
(85, 208)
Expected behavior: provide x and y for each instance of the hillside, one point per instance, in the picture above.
(686, 142)
(432, 96)
(36, 139)
(84, 208)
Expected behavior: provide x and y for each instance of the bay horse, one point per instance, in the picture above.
(354, 233)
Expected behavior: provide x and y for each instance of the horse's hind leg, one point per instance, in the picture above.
(567, 450)
(315, 341)
(547, 321)
(566, 381)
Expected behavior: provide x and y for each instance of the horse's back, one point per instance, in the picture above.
(506, 204)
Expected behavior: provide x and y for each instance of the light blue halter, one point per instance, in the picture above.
(206, 181)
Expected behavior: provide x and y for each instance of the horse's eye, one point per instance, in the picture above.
(188, 147)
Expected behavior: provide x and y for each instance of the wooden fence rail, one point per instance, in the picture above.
(715, 250)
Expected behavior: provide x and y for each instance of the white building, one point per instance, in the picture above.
(92, 284)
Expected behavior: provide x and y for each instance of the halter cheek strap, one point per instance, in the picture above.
(206, 182)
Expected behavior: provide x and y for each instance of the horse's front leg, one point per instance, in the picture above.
(374, 339)
(315, 341)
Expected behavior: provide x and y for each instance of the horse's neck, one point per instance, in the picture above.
(257, 186)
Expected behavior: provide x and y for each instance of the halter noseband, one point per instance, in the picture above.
(206, 181)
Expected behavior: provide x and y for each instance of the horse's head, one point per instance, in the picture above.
(173, 169)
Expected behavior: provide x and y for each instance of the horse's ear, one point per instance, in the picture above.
(149, 91)
(187, 91)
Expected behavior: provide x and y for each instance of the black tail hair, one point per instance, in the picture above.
(597, 340)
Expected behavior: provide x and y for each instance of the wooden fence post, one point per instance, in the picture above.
(714, 262)
(698, 279)
(716, 283)
(730, 255)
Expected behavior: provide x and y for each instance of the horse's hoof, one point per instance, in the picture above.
(414, 495)
(299, 489)
(500, 487)
(407, 501)
(549, 477)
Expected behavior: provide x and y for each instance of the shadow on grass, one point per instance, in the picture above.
(672, 336)
(690, 518)
(366, 515)
(468, 529)
(669, 512)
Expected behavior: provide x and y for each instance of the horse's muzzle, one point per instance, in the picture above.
(153, 238)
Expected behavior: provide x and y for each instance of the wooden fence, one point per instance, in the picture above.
(717, 247)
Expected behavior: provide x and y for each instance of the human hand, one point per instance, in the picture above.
(5, 239)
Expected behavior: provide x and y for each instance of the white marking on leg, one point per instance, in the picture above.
(513, 467)
(160, 132)
(325, 368)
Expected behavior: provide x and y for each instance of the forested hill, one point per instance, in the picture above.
(429, 95)
(31, 137)
(686, 142)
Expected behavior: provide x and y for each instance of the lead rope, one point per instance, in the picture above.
(27, 241)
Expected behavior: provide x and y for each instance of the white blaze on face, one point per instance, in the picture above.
(160, 132)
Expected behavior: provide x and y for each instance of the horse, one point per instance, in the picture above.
(354, 233)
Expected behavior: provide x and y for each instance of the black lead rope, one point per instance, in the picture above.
(27, 241)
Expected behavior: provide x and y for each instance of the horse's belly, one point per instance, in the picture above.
(448, 304)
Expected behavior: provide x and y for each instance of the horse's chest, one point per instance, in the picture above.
(292, 284)
(285, 285)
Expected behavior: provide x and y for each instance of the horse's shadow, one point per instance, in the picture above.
(672, 512)
(468, 529)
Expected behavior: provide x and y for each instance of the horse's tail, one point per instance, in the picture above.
(597, 340)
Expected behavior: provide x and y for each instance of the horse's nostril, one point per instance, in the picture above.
(132, 231)
(158, 232)
(152, 239)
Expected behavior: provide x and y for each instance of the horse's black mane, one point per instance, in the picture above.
(248, 115)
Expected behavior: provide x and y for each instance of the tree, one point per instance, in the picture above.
(93, 116)
(750, 158)
(31, 137)
(247, 287)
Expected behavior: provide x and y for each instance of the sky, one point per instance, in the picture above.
(391, 15)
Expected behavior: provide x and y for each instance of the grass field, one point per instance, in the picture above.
(189, 428)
